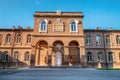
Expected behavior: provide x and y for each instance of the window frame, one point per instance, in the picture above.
(45, 25)
(18, 39)
(26, 56)
(98, 39)
(89, 57)
(108, 41)
(8, 38)
(117, 39)
(5, 57)
(16, 56)
(88, 40)
(100, 56)
(75, 25)
(110, 56)
(28, 39)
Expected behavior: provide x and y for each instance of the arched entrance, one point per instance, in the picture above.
(74, 53)
(42, 53)
(58, 50)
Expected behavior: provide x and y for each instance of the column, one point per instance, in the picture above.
(53, 60)
(32, 59)
(66, 55)
(36, 57)
(82, 57)
(49, 56)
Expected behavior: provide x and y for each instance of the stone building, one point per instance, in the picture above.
(58, 39)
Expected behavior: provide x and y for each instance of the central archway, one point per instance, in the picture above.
(58, 51)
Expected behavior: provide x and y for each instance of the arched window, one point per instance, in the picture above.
(89, 56)
(100, 56)
(5, 57)
(98, 39)
(26, 56)
(16, 55)
(110, 56)
(43, 26)
(29, 39)
(73, 26)
(18, 39)
(118, 39)
(119, 55)
(108, 39)
(8, 38)
(88, 39)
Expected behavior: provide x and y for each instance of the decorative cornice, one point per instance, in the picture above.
(75, 16)
(102, 30)
(47, 35)
(16, 30)
(103, 48)
(15, 47)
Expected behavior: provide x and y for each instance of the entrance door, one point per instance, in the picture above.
(58, 59)
(58, 51)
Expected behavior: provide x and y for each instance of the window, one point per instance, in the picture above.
(8, 38)
(110, 57)
(73, 26)
(89, 56)
(43, 26)
(16, 56)
(18, 40)
(5, 57)
(119, 56)
(98, 39)
(29, 39)
(108, 39)
(88, 40)
(26, 56)
(100, 56)
(117, 39)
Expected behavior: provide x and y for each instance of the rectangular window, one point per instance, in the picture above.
(110, 57)
(4, 57)
(88, 40)
(73, 27)
(89, 57)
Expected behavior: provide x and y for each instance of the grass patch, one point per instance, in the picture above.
(8, 68)
(108, 68)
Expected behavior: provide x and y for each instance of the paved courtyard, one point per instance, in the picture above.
(60, 74)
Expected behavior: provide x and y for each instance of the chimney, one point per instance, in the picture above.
(98, 28)
(58, 12)
(110, 28)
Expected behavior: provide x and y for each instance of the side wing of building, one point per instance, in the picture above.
(102, 46)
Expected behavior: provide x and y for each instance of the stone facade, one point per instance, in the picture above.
(58, 39)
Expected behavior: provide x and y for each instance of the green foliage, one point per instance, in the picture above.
(8, 68)
(108, 68)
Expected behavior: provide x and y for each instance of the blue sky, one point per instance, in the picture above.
(97, 13)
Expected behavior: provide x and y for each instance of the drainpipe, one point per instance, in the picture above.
(104, 46)
(12, 47)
